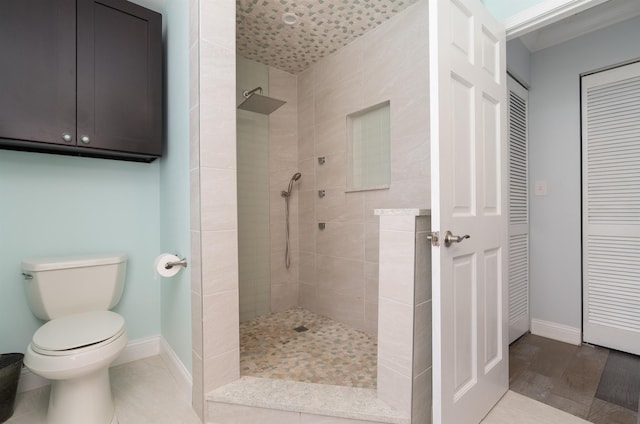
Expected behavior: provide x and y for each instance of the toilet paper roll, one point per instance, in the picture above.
(160, 264)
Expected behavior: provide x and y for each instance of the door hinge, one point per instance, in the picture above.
(434, 236)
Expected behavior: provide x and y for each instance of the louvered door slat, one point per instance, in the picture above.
(611, 208)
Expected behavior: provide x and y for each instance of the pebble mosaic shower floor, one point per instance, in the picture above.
(327, 353)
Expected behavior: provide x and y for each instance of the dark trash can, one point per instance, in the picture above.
(10, 368)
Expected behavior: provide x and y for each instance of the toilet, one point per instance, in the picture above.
(81, 337)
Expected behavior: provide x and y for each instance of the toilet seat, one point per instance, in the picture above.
(75, 334)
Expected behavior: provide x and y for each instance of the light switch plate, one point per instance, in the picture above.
(541, 188)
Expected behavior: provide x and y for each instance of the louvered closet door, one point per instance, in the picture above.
(518, 212)
(611, 208)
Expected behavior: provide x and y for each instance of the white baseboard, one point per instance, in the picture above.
(551, 330)
(177, 369)
(135, 349)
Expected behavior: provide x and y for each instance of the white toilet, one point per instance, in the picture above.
(82, 336)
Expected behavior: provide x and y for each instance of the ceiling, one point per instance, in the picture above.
(323, 27)
(595, 18)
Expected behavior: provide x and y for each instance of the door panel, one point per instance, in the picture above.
(38, 72)
(119, 88)
(611, 208)
(519, 320)
(469, 196)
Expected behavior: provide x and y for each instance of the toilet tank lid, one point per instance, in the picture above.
(50, 263)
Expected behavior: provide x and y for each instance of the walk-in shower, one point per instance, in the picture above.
(258, 103)
(286, 194)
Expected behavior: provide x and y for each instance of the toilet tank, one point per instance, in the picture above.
(57, 287)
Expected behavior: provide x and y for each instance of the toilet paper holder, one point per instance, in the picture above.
(181, 262)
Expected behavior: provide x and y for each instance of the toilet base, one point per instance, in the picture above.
(84, 400)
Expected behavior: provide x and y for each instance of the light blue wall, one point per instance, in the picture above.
(519, 61)
(503, 9)
(555, 158)
(174, 183)
(58, 205)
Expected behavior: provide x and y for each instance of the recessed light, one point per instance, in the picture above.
(290, 18)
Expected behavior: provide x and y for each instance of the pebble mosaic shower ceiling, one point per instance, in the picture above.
(323, 27)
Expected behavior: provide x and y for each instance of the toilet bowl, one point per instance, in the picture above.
(75, 353)
(81, 337)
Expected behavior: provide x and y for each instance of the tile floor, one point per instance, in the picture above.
(328, 353)
(144, 391)
(589, 382)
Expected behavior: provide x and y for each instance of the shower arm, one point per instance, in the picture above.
(248, 94)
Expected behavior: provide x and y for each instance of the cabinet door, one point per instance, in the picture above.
(38, 70)
(119, 77)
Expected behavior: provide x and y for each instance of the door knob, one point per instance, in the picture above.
(85, 139)
(450, 238)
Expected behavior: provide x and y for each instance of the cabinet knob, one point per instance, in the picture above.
(85, 139)
(67, 137)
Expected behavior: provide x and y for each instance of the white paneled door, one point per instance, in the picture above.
(469, 197)
(611, 208)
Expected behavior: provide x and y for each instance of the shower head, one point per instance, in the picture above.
(293, 179)
(258, 103)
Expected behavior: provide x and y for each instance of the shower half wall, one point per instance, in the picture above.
(267, 155)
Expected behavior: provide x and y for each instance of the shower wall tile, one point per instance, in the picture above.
(284, 296)
(371, 241)
(410, 160)
(197, 385)
(371, 318)
(221, 369)
(196, 262)
(341, 239)
(307, 266)
(395, 336)
(194, 140)
(347, 308)
(283, 163)
(306, 142)
(398, 250)
(196, 316)
(331, 136)
(219, 23)
(308, 169)
(220, 274)
(217, 130)
(394, 388)
(279, 272)
(422, 338)
(194, 76)
(422, 398)
(221, 323)
(340, 206)
(213, 194)
(341, 99)
(307, 238)
(307, 297)
(339, 275)
(219, 199)
(332, 174)
(307, 205)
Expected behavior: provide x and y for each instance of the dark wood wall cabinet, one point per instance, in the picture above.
(81, 77)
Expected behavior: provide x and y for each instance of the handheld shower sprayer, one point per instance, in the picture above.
(293, 179)
(286, 194)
